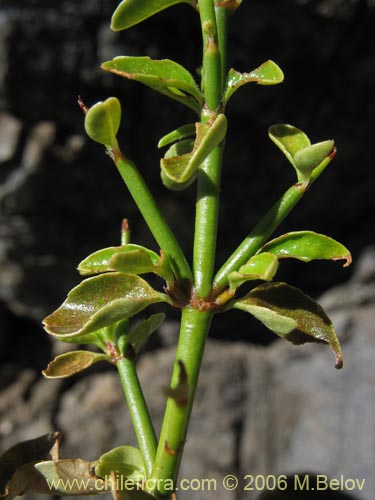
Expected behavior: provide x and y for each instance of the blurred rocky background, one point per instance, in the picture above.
(261, 410)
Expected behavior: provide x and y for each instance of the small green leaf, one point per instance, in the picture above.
(296, 146)
(132, 12)
(290, 313)
(182, 169)
(102, 122)
(177, 135)
(136, 260)
(17, 473)
(288, 139)
(260, 267)
(142, 331)
(124, 461)
(164, 76)
(70, 363)
(71, 477)
(129, 259)
(306, 160)
(307, 246)
(268, 73)
(101, 301)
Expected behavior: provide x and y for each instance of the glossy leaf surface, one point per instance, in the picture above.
(268, 73)
(297, 148)
(177, 135)
(142, 331)
(101, 301)
(124, 461)
(71, 477)
(68, 364)
(288, 312)
(307, 246)
(132, 12)
(164, 76)
(180, 170)
(17, 473)
(102, 122)
(137, 260)
(260, 267)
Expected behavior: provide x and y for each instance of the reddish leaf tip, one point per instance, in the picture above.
(333, 153)
(339, 361)
(82, 105)
(125, 225)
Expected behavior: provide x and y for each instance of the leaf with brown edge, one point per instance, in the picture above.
(164, 76)
(17, 473)
(71, 477)
(68, 364)
(101, 301)
(291, 314)
(307, 246)
(128, 259)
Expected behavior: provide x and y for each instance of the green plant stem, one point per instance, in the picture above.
(265, 227)
(206, 221)
(209, 177)
(211, 68)
(194, 327)
(139, 413)
(222, 34)
(152, 215)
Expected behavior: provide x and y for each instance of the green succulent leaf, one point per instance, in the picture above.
(177, 135)
(102, 122)
(135, 260)
(70, 363)
(288, 312)
(71, 477)
(296, 146)
(17, 472)
(307, 246)
(260, 267)
(165, 76)
(306, 160)
(131, 12)
(268, 73)
(143, 330)
(129, 259)
(101, 301)
(124, 461)
(181, 170)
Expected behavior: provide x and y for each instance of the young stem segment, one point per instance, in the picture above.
(153, 217)
(265, 227)
(139, 414)
(209, 177)
(194, 327)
